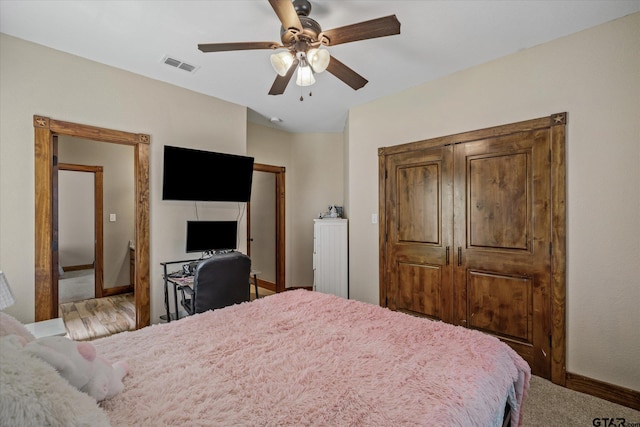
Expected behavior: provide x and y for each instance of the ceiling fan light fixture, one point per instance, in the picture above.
(281, 62)
(305, 76)
(318, 59)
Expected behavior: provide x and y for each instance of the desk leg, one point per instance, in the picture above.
(175, 300)
(166, 296)
(255, 285)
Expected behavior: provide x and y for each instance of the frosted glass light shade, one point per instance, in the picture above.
(305, 76)
(281, 62)
(318, 59)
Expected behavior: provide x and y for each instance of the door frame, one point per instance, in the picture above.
(279, 172)
(46, 131)
(556, 124)
(98, 244)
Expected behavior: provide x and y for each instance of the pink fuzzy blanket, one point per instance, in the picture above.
(303, 358)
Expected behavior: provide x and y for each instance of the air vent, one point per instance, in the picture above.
(176, 63)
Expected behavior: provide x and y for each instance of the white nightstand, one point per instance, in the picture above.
(47, 328)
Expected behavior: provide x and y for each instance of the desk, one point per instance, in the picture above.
(181, 280)
(168, 279)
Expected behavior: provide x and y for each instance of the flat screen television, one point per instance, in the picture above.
(207, 176)
(205, 236)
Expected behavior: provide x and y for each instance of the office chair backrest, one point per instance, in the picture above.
(222, 280)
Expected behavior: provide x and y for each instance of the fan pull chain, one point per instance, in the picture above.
(301, 97)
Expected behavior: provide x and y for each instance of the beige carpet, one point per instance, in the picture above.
(552, 405)
(76, 285)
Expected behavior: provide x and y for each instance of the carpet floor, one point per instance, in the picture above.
(551, 405)
(76, 285)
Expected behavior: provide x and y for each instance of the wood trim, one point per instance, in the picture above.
(492, 132)
(98, 185)
(117, 290)
(558, 245)
(95, 133)
(44, 291)
(612, 393)
(77, 267)
(98, 200)
(267, 285)
(556, 123)
(382, 221)
(142, 232)
(306, 288)
(279, 172)
(45, 129)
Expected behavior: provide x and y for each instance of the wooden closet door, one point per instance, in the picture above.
(418, 232)
(502, 241)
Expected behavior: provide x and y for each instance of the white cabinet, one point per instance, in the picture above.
(331, 257)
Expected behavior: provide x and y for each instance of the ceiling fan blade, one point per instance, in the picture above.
(281, 82)
(224, 47)
(286, 14)
(346, 74)
(380, 27)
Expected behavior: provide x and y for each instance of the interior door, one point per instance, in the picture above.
(419, 232)
(266, 201)
(502, 237)
(262, 227)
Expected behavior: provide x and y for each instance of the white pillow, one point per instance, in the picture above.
(34, 394)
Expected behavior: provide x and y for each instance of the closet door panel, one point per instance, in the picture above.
(498, 213)
(419, 289)
(502, 239)
(501, 303)
(418, 232)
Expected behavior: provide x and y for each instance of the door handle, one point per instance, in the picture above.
(459, 256)
(447, 256)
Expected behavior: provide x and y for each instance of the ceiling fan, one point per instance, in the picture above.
(303, 39)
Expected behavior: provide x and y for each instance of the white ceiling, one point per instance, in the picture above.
(437, 38)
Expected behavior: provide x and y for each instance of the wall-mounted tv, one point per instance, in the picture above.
(205, 236)
(207, 176)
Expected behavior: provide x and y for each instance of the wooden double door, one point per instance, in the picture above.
(468, 236)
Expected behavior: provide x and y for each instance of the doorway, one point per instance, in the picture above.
(46, 132)
(266, 226)
(81, 230)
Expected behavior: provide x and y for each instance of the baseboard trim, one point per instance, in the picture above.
(293, 288)
(613, 393)
(267, 285)
(77, 267)
(109, 292)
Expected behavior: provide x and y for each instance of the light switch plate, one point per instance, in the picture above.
(374, 218)
(112, 217)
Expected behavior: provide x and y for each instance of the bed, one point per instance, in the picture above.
(303, 358)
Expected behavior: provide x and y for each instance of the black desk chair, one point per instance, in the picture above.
(219, 281)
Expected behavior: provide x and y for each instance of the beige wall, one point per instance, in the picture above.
(76, 229)
(38, 80)
(118, 197)
(314, 180)
(594, 76)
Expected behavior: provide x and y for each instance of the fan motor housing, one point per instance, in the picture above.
(310, 31)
